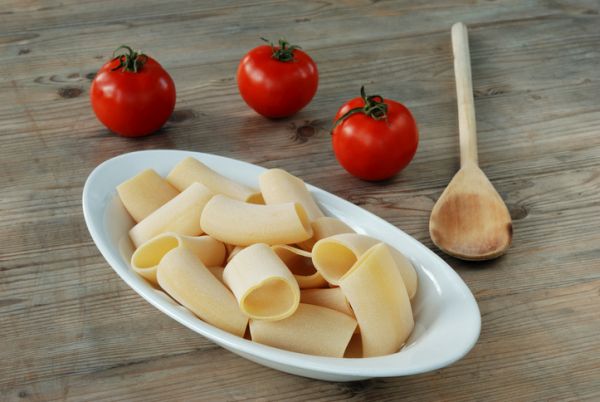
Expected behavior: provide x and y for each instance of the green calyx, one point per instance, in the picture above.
(284, 51)
(129, 59)
(374, 107)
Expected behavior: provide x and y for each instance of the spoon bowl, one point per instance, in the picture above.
(470, 221)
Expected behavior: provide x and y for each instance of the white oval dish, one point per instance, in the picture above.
(446, 314)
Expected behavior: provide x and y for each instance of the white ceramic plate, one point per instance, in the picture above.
(446, 313)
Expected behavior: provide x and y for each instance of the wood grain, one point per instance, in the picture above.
(72, 330)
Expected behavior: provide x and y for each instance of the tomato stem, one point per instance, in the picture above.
(374, 107)
(284, 52)
(129, 59)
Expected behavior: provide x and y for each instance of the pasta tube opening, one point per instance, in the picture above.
(153, 251)
(258, 302)
(333, 260)
(299, 262)
(264, 287)
(146, 258)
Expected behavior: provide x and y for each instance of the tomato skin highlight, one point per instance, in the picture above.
(133, 104)
(373, 149)
(276, 88)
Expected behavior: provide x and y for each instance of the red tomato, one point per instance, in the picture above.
(277, 81)
(374, 138)
(132, 94)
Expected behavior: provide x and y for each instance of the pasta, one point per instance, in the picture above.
(183, 276)
(229, 248)
(262, 284)
(299, 262)
(145, 259)
(311, 329)
(335, 255)
(180, 215)
(354, 349)
(376, 292)
(278, 186)
(323, 227)
(234, 251)
(332, 298)
(218, 273)
(292, 277)
(143, 194)
(191, 170)
(240, 223)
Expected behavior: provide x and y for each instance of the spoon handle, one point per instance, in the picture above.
(464, 95)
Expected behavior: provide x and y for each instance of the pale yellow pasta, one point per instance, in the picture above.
(183, 276)
(332, 298)
(218, 273)
(264, 287)
(408, 272)
(234, 251)
(354, 349)
(311, 329)
(229, 248)
(299, 262)
(240, 223)
(323, 227)
(191, 170)
(280, 255)
(278, 186)
(335, 255)
(145, 259)
(145, 193)
(180, 215)
(375, 290)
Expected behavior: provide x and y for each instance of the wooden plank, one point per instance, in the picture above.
(77, 332)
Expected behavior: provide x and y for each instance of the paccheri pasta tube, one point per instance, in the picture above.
(145, 193)
(311, 329)
(299, 262)
(335, 255)
(278, 186)
(332, 298)
(191, 170)
(323, 227)
(183, 276)
(240, 223)
(180, 215)
(217, 272)
(234, 251)
(146, 258)
(376, 292)
(264, 287)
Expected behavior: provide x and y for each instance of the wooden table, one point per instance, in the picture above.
(71, 329)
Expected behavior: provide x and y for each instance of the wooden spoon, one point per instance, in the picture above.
(469, 221)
